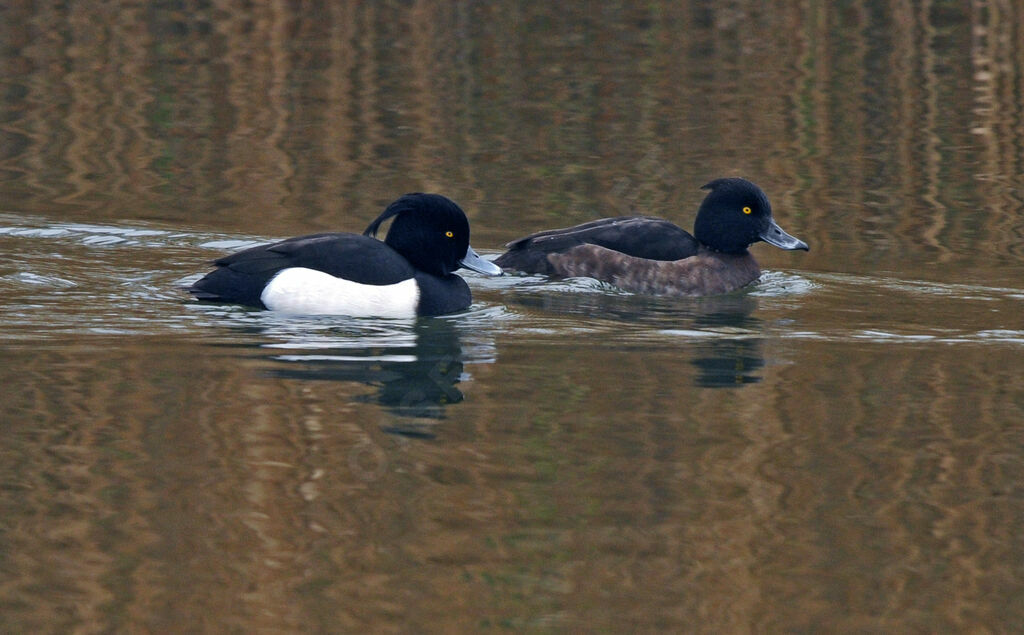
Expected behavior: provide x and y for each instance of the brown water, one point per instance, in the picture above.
(838, 448)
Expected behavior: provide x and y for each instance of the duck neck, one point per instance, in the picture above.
(736, 250)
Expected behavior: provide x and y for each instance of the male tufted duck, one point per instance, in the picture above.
(650, 255)
(408, 274)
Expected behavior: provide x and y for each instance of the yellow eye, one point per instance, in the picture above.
(449, 234)
(747, 210)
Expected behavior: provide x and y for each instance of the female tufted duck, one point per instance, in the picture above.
(650, 255)
(408, 274)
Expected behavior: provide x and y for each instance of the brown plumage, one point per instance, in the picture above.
(649, 255)
(706, 273)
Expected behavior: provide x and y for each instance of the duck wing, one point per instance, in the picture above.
(644, 237)
(240, 277)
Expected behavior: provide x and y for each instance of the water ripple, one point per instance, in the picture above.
(76, 279)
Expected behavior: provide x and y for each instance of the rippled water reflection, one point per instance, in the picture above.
(836, 448)
(551, 441)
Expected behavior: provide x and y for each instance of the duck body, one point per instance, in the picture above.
(408, 274)
(649, 255)
(643, 237)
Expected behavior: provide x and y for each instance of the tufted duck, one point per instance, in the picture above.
(650, 255)
(408, 274)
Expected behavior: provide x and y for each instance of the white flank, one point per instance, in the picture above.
(311, 292)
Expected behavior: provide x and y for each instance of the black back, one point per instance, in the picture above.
(638, 236)
(240, 277)
(427, 238)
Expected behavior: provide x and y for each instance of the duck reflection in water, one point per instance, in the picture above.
(707, 324)
(416, 379)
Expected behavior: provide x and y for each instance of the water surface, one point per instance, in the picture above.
(836, 448)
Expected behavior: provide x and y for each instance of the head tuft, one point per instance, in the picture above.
(732, 215)
(428, 230)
